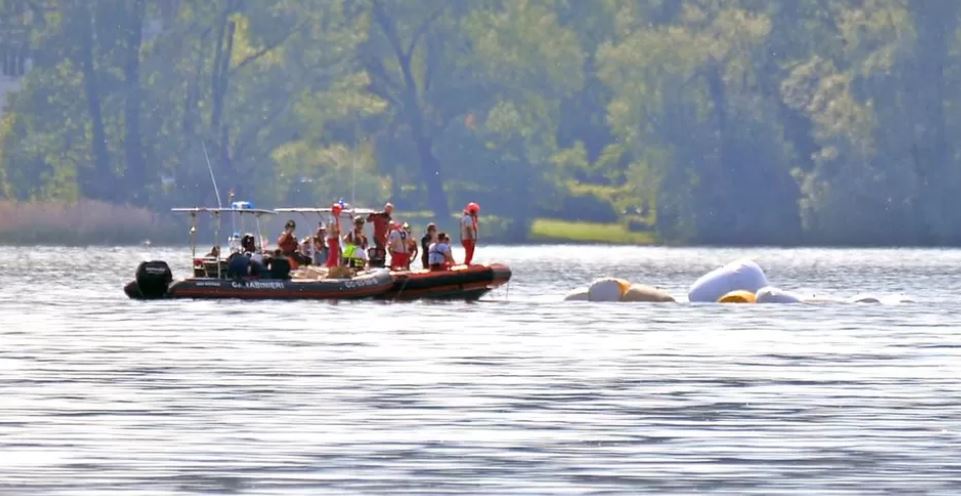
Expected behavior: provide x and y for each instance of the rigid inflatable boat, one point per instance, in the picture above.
(212, 277)
(459, 283)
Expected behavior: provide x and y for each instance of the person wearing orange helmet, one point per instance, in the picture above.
(468, 231)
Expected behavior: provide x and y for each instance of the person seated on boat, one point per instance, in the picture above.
(287, 242)
(214, 252)
(440, 256)
(355, 246)
(279, 266)
(258, 265)
(307, 250)
(381, 222)
(397, 244)
(430, 237)
(238, 265)
(247, 244)
(411, 244)
(320, 245)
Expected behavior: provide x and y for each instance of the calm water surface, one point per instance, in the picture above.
(518, 394)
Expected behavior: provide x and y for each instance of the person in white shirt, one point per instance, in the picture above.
(468, 231)
(439, 254)
(397, 244)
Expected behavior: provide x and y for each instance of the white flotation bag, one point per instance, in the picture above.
(770, 294)
(743, 275)
(578, 295)
(607, 289)
(640, 292)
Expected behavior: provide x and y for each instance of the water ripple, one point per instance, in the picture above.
(518, 394)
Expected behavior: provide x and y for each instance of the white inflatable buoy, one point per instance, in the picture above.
(770, 294)
(578, 295)
(642, 293)
(743, 275)
(607, 289)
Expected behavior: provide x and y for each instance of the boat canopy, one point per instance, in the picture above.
(326, 210)
(218, 210)
(241, 208)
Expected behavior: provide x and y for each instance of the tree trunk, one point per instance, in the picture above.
(940, 180)
(715, 215)
(133, 147)
(413, 112)
(99, 183)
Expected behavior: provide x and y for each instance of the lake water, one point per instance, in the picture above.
(518, 394)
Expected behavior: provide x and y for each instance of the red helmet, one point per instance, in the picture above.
(336, 208)
(472, 208)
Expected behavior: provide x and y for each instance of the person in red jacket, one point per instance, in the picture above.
(468, 231)
(287, 241)
(381, 223)
(288, 245)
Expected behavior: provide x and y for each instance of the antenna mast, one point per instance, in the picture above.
(212, 178)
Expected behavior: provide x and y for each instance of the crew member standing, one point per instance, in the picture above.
(411, 244)
(355, 246)
(381, 223)
(397, 244)
(468, 231)
(320, 245)
(333, 237)
(430, 237)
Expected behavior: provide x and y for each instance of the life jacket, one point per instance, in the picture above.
(438, 253)
(352, 239)
(397, 241)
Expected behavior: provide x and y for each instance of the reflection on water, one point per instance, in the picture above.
(518, 394)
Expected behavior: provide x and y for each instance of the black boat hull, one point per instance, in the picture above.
(365, 286)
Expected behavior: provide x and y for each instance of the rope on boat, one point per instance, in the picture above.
(401, 290)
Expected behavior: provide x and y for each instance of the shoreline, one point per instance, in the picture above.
(99, 224)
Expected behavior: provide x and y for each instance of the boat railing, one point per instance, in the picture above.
(236, 208)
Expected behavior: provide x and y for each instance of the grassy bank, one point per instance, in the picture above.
(553, 230)
(85, 222)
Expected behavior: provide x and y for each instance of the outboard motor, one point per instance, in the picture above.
(153, 279)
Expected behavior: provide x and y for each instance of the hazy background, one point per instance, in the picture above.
(804, 121)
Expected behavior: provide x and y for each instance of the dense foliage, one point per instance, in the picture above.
(737, 121)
